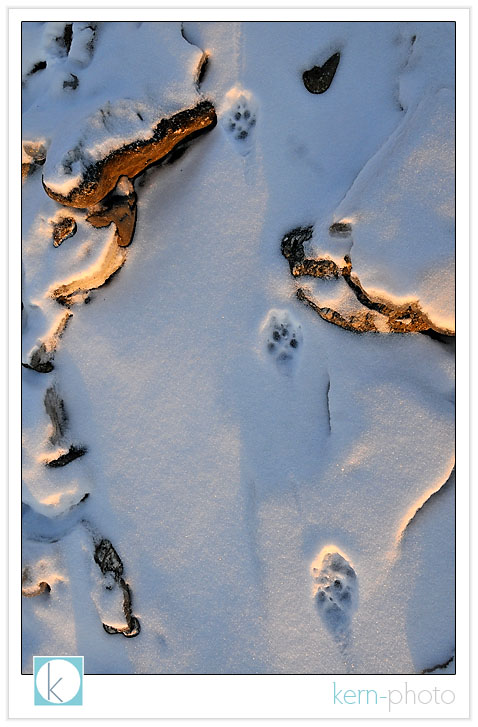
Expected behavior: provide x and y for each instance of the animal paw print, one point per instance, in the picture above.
(283, 338)
(240, 119)
(336, 592)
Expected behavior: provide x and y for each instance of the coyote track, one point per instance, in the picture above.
(336, 593)
(282, 339)
(240, 119)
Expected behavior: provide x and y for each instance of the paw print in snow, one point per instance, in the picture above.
(283, 338)
(336, 592)
(240, 119)
(241, 122)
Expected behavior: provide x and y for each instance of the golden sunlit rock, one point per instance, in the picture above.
(119, 209)
(131, 159)
(77, 290)
(375, 314)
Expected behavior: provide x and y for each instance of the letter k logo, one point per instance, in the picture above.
(58, 680)
(51, 688)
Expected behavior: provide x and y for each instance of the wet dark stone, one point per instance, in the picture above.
(68, 36)
(292, 245)
(55, 408)
(64, 459)
(40, 66)
(108, 559)
(319, 78)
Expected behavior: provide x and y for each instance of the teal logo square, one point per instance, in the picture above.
(58, 680)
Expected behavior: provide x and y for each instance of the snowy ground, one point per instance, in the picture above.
(255, 474)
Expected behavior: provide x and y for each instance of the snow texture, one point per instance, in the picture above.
(223, 462)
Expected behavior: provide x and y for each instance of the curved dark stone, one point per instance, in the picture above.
(318, 78)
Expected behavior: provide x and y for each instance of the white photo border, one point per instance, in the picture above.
(244, 696)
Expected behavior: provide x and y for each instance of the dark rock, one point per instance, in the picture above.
(40, 66)
(72, 83)
(108, 559)
(340, 229)
(63, 229)
(292, 245)
(64, 459)
(131, 159)
(319, 78)
(55, 408)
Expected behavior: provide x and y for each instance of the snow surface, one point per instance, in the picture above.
(109, 106)
(219, 467)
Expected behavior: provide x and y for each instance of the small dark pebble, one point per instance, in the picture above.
(40, 66)
(342, 229)
(72, 82)
(64, 459)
